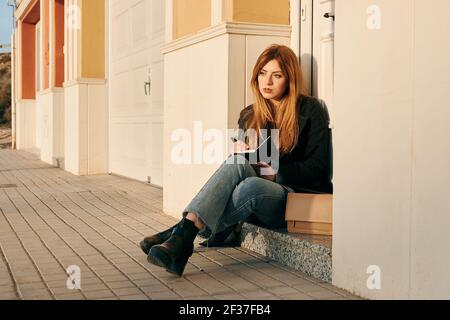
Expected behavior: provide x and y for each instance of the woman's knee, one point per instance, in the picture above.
(251, 186)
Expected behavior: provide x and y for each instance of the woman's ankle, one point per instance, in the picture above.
(196, 220)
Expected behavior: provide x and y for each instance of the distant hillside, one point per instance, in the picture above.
(5, 87)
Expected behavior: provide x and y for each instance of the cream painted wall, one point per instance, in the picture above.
(72, 40)
(430, 255)
(195, 88)
(71, 128)
(85, 123)
(391, 149)
(26, 124)
(51, 103)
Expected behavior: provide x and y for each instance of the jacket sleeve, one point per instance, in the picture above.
(245, 113)
(314, 166)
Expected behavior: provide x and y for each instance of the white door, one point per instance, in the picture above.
(317, 48)
(137, 31)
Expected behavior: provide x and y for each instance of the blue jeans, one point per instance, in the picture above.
(236, 192)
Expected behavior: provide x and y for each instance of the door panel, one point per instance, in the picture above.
(135, 115)
(323, 52)
(317, 49)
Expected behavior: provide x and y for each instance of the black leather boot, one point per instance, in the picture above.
(155, 239)
(176, 251)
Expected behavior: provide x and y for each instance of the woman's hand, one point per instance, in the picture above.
(266, 171)
(239, 146)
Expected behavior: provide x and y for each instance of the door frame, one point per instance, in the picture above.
(302, 37)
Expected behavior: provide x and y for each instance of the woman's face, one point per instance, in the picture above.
(272, 82)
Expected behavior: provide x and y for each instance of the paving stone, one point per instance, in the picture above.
(10, 295)
(163, 295)
(127, 291)
(231, 296)
(70, 296)
(147, 282)
(41, 298)
(297, 296)
(283, 290)
(93, 287)
(253, 295)
(29, 293)
(99, 294)
(6, 289)
(324, 294)
(121, 284)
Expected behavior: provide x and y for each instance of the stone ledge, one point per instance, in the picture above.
(306, 253)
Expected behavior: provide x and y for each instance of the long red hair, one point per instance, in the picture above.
(285, 117)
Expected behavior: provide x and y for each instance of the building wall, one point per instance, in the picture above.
(72, 40)
(85, 103)
(190, 16)
(259, 11)
(391, 149)
(26, 122)
(186, 71)
(58, 39)
(28, 66)
(93, 39)
(431, 152)
(51, 107)
(45, 30)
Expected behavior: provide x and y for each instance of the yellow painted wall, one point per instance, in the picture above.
(190, 16)
(93, 39)
(259, 11)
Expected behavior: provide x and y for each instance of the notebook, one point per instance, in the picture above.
(253, 154)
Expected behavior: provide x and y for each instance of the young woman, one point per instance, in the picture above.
(238, 189)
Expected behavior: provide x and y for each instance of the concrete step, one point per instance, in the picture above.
(307, 253)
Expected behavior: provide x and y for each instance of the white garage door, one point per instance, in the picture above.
(136, 89)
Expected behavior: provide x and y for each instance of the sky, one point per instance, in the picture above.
(5, 24)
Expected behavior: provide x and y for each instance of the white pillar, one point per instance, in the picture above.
(13, 89)
(169, 20)
(218, 11)
(295, 13)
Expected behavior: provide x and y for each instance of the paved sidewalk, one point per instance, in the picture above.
(50, 220)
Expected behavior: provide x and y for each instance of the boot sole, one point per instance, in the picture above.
(160, 259)
(156, 261)
(181, 262)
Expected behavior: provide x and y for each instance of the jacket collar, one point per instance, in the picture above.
(301, 124)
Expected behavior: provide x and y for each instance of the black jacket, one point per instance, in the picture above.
(308, 168)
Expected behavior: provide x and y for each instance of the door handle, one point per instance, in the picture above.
(148, 87)
(329, 15)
